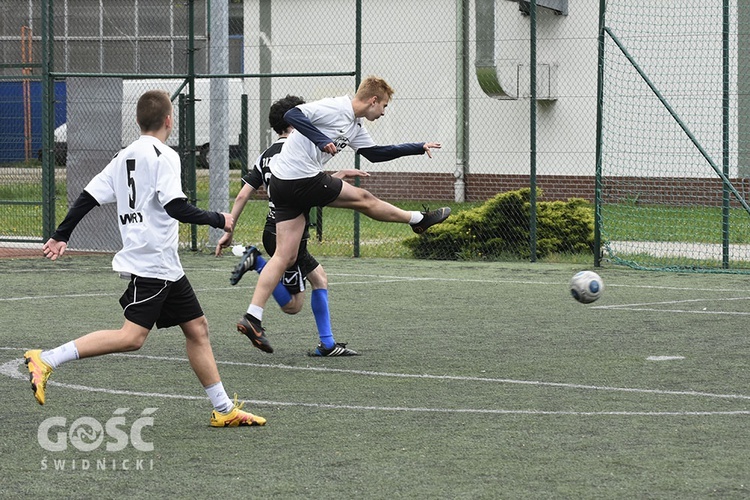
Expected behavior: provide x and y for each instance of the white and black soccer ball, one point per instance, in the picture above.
(586, 287)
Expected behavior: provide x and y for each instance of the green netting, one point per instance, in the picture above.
(674, 113)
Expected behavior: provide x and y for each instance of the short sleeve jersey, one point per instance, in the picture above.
(141, 179)
(334, 117)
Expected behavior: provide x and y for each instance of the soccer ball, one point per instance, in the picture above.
(586, 287)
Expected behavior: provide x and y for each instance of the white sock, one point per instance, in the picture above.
(59, 355)
(255, 311)
(219, 397)
(416, 217)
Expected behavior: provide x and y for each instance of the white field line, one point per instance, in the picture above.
(650, 306)
(681, 311)
(390, 279)
(60, 296)
(12, 370)
(380, 280)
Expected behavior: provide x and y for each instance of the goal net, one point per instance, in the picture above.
(674, 168)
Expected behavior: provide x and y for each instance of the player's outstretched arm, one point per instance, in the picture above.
(54, 249)
(349, 173)
(377, 154)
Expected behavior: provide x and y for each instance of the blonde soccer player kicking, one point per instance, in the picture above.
(144, 181)
(290, 291)
(299, 182)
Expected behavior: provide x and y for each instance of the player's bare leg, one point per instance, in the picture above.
(128, 338)
(199, 351)
(288, 235)
(365, 202)
(40, 365)
(295, 305)
(318, 278)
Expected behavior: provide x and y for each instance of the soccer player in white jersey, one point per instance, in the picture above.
(144, 181)
(289, 293)
(298, 181)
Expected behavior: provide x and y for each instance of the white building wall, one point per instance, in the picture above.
(413, 45)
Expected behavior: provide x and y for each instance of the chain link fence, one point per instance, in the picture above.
(462, 72)
(674, 169)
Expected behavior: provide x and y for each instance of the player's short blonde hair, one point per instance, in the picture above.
(374, 86)
(153, 108)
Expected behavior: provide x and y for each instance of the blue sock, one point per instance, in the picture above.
(260, 263)
(280, 294)
(319, 304)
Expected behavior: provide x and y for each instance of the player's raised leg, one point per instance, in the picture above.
(365, 202)
(41, 363)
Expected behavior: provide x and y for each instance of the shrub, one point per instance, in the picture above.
(500, 228)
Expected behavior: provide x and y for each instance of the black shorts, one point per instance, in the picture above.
(294, 277)
(296, 197)
(149, 301)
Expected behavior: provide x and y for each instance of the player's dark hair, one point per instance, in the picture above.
(153, 108)
(278, 108)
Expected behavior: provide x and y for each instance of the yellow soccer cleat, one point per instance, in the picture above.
(39, 372)
(236, 417)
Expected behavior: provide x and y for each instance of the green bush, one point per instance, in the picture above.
(500, 228)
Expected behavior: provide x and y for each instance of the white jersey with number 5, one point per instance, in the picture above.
(141, 179)
(334, 117)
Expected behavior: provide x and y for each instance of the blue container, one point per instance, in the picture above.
(12, 140)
